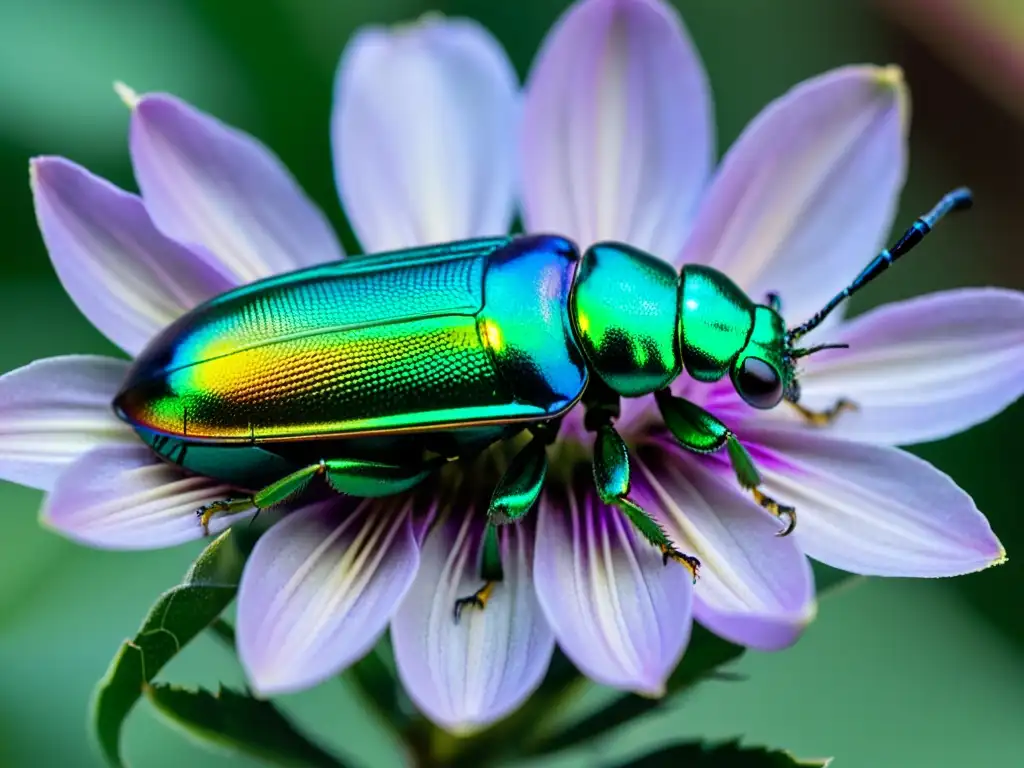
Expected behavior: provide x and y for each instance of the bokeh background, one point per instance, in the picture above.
(893, 673)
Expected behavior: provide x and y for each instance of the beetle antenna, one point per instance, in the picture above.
(817, 348)
(958, 199)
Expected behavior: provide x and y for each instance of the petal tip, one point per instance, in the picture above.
(991, 554)
(1000, 558)
(425, 19)
(267, 679)
(809, 614)
(49, 172)
(267, 686)
(126, 93)
(893, 84)
(39, 167)
(63, 525)
(653, 690)
(463, 730)
(890, 76)
(45, 518)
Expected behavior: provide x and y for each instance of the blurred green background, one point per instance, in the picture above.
(893, 673)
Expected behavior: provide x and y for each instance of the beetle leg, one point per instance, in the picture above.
(521, 483)
(611, 478)
(275, 493)
(611, 472)
(700, 432)
(353, 477)
(227, 506)
(513, 497)
(367, 479)
(491, 572)
(827, 416)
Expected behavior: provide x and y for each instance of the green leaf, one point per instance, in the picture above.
(178, 616)
(729, 754)
(829, 580)
(238, 722)
(375, 681)
(704, 655)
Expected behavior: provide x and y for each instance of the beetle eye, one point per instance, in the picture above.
(758, 383)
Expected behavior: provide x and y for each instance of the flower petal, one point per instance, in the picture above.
(126, 277)
(54, 410)
(319, 589)
(875, 510)
(618, 134)
(423, 131)
(618, 612)
(124, 497)
(208, 184)
(921, 369)
(755, 588)
(469, 674)
(807, 194)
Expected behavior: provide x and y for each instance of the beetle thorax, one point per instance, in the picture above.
(715, 322)
(625, 310)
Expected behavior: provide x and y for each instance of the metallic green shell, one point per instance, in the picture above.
(714, 324)
(625, 309)
(472, 333)
(766, 342)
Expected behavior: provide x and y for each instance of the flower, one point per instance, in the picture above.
(616, 142)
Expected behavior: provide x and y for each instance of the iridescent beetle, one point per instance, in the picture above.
(375, 371)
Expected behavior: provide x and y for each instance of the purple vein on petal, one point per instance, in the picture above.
(617, 611)
(467, 675)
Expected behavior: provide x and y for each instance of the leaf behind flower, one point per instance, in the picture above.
(704, 656)
(238, 722)
(175, 619)
(729, 754)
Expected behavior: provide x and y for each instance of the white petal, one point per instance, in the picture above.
(54, 410)
(619, 612)
(424, 133)
(806, 196)
(319, 589)
(755, 588)
(123, 274)
(469, 674)
(922, 369)
(618, 133)
(875, 510)
(208, 184)
(124, 497)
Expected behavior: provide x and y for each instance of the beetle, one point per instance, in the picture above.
(374, 372)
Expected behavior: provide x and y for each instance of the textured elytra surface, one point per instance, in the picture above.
(378, 344)
(341, 380)
(336, 299)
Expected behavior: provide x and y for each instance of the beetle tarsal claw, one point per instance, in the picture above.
(827, 416)
(782, 511)
(478, 599)
(206, 513)
(691, 563)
